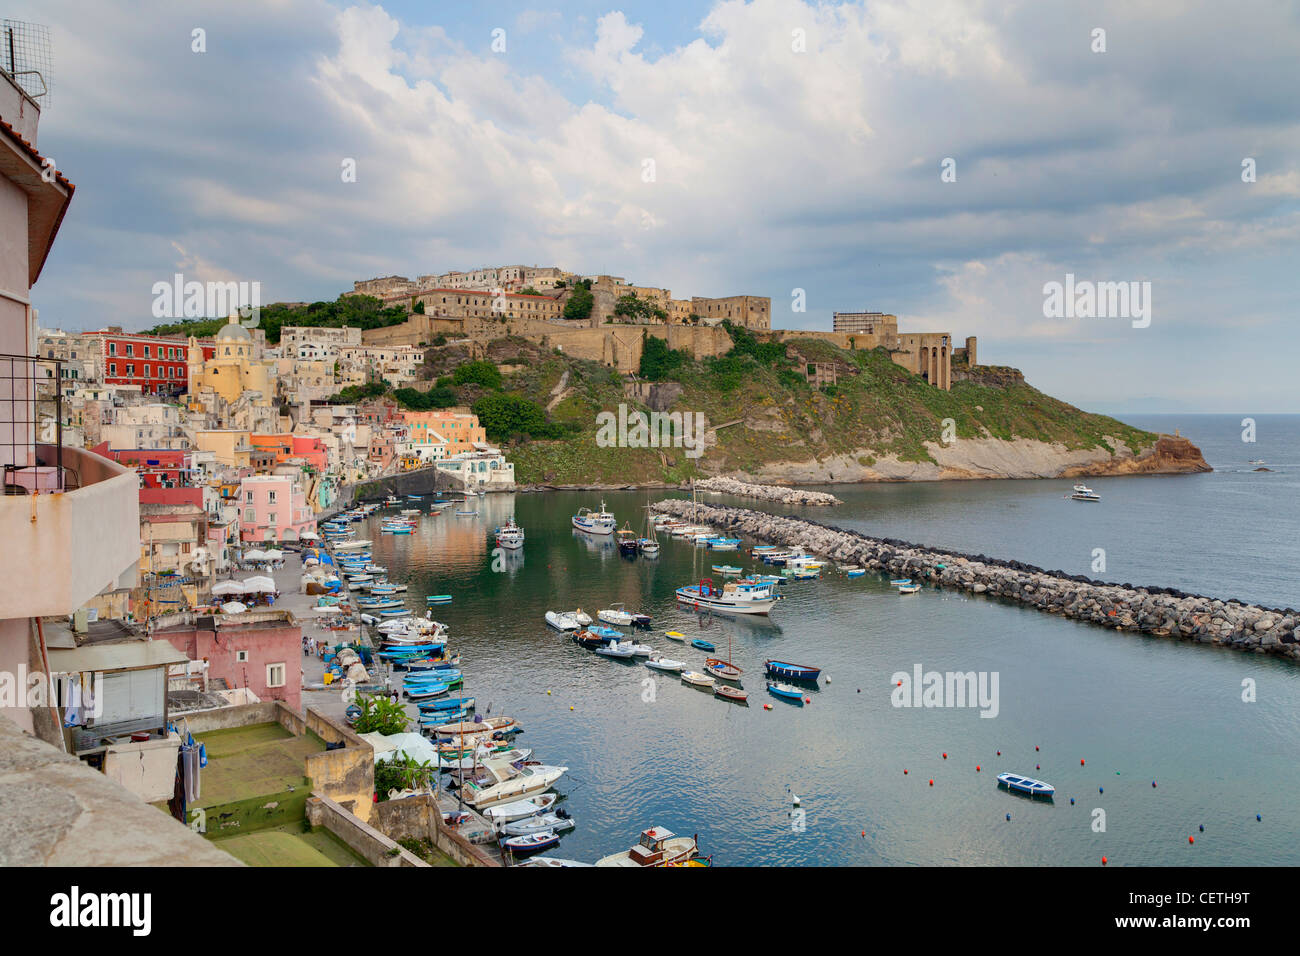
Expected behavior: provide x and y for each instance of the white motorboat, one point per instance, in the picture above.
(355, 545)
(735, 597)
(581, 618)
(562, 620)
(595, 522)
(621, 649)
(504, 813)
(506, 783)
(1084, 493)
(616, 615)
(698, 679)
(665, 664)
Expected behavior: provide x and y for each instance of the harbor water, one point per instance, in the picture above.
(1151, 739)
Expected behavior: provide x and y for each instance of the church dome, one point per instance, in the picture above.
(233, 331)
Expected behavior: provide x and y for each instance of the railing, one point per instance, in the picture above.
(31, 424)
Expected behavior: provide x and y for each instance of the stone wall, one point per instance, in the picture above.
(1160, 612)
(374, 847)
(418, 818)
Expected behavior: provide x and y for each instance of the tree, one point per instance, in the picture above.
(419, 307)
(478, 373)
(528, 290)
(580, 304)
(658, 361)
(380, 715)
(503, 416)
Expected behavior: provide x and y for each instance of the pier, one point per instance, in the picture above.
(1159, 612)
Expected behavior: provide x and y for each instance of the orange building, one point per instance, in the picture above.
(460, 429)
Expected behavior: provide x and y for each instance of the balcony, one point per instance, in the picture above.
(61, 549)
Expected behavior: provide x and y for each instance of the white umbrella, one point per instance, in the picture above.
(259, 585)
(309, 536)
(233, 607)
(255, 555)
(274, 555)
(228, 587)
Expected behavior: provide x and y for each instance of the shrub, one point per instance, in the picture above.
(478, 373)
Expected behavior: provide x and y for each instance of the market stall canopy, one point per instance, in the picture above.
(233, 607)
(274, 554)
(228, 587)
(255, 555)
(259, 585)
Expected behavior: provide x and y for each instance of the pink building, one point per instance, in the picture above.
(273, 508)
(261, 650)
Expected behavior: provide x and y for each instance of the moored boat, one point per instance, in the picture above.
(657, 847)
(594, 522)
(734, 694)
(786, 691)
(732, 598)
(791, 671)
(1028, 785)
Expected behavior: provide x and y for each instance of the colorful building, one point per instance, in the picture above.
(273, 508)
(158, 364)
(460, 429)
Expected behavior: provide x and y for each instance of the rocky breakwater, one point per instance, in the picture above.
(1160, 612)
(780, 493)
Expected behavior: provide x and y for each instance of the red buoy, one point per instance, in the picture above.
(1103, 861)
(932, 783)
(904, 771)
(1191, 839)
(1080, 762)
(945, 756)
(977, 768)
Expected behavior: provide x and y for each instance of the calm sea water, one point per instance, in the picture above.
(645, 750)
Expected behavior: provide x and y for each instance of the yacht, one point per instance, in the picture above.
(657, 847)
(1084, 493)
(595, 522)
(504, 782)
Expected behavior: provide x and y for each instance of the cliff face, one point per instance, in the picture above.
(975, 458)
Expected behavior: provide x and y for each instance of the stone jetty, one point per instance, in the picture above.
(779, 493)
(1160, 612)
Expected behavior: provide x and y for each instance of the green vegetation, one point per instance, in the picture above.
(580, 303)
(402, 772)
(360, 311)
(633, 309)
(478, 373)
(380, 715)
(875, 410)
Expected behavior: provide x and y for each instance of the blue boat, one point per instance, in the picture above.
(606, 633)
(702, 645)
(428, 690)
(1026, 785)
(785, 691)
(792, 671)
(432, 677)
(451, 703)
(856, 572)
(439, 599)
(900, 582)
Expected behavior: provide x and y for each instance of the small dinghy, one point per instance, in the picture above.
(438, 599)
(622, 650)
(908, 588)
(855, 572)
(675, 635)
(698, 679)
(557, 822)
(666, 664)
(728, 570)
(897, 582)
(1027, 785)
(785, 691)
(530, 842)
(521, 809)
(734, 694)
(792, 671)
(702, 645)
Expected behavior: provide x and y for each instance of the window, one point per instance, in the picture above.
(248, 496)
(112, 368)
(130, 349)
(271, 497)
(112, 348)
(241, 657)
(146, 351)
(275, 675)
(145, 373)
(130, 369)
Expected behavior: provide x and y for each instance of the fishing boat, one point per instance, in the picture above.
(791, 671)
(665, 664)
(562, 620)
(504, 813)
(1084, 493)
(657, 847)
(908, 588)
(734, 694)
(438, 599)
(649, 543)
(698, 679)
(785, 691)
(392, 500)
(396, 529)
(510, 536)
(1035, 788)
(615, 614)
(626, 540)
(594, 522)
(732, 598)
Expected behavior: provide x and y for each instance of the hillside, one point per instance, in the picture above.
(877, 422)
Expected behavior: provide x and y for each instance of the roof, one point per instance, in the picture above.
(232, 330)
(121, 655)
(47, 203)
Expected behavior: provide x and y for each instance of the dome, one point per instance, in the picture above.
(231, 331)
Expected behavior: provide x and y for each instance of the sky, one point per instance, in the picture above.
(943, 161)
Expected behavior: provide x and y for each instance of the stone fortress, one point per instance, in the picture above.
(529, 301)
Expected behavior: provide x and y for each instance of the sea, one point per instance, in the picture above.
(1148, 741)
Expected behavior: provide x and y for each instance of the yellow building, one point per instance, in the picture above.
(229, 446)
(236, 367)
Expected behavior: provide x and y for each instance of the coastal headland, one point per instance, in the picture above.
(1158, 612)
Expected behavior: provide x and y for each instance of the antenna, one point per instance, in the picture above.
(25, 56)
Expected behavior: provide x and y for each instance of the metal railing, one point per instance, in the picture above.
(31, 424)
